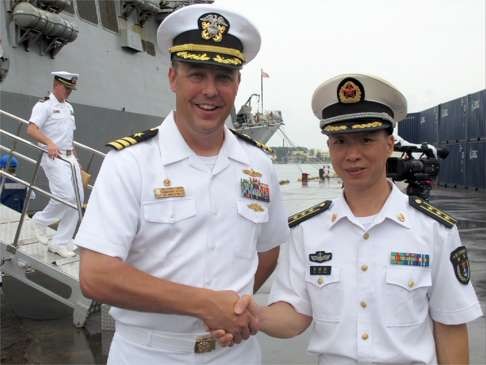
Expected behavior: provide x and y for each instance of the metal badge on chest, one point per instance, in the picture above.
(169, 191)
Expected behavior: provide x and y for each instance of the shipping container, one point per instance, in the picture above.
(408, 128)
(476, 165)
(452, 120)
(476, 120)
(452, 171)
(428, 126)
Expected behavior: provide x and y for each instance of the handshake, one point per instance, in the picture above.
(232, 319)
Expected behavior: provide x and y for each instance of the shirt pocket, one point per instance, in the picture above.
(326, 294)
(249, 226)
(169, 211)
(406, 301)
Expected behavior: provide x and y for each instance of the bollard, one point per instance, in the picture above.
(304, 178)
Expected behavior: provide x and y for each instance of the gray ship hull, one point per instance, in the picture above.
(260, 133)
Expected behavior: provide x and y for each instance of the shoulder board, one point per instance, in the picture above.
(302, 216)
(437, 214)
(121, 143)
(247, 138)
(43, 99)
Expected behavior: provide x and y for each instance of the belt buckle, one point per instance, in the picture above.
(204, 344)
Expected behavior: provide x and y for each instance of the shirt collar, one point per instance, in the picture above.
(172, 145)
(174, 148)
(54, 100)
(394, 209)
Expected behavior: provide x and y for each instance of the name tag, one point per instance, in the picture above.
(172, 192)
(320, 270)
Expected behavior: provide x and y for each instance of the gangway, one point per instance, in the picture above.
(22, 256)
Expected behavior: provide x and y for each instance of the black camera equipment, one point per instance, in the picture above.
(419, 173)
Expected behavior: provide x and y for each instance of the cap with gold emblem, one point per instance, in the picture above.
(68, 79)
(205, 33)
(357, 103)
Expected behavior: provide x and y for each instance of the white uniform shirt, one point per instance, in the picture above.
(56, 120)
(208, 238)
(366, 309)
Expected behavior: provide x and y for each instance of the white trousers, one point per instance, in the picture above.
(59, 174)
(124, 352)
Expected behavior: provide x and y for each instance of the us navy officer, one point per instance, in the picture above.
(174, 232)
(52, 125)
(383, 276)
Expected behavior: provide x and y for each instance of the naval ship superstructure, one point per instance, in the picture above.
(112, 45)
(260, 125)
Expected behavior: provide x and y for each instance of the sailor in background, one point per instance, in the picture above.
(52, 125)
(384, 276)
(187, 217)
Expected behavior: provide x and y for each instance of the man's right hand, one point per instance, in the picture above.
(53, 150)
(221, 314)
(246, 304)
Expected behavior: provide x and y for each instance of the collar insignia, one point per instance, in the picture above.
(320, 256)
(350, 91)
(213, 26)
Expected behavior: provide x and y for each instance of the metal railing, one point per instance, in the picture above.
(30, 185)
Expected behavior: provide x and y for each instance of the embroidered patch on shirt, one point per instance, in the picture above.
(320, 256)
(253, 188)
(460, 263)
(320, 270)
(410, 259)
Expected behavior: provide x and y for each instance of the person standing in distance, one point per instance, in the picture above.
(52, 125)
(172, 237)
(383, 276)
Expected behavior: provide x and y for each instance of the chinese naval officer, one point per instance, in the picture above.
(383, 276)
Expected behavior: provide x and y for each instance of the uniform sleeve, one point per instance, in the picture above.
(40, 113)
(276, 230)
(112, 217)
(451, 302)
(289, 285)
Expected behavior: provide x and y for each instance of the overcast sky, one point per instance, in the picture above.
(432, 50)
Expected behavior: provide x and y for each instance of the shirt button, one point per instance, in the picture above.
(364, 267)
(366, 235)
(411, 283)
(320, 281)
(363, 304)
(364, 336)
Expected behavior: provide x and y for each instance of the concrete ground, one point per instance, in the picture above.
(27, 341)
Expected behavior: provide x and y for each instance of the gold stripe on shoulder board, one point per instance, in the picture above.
(247, 138)
(302, 216)
(132, 140)
(433, 212)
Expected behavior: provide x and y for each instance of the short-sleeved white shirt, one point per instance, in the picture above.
(365, 308)
(55, 120)
(208, 238)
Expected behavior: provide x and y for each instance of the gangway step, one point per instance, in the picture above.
(31, 260)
